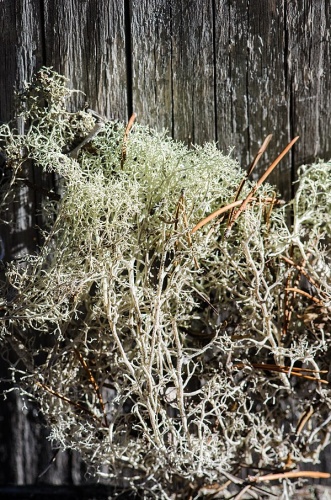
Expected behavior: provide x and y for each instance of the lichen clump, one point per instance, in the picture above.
(167, 358)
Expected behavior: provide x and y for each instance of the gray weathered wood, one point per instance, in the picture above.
(265, 96)
(21, 48)
(85, 40)
(177, 68)
(206, 70)
(151, 59)
(193, 71)
(308, 26)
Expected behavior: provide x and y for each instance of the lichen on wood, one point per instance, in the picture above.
(171, 355)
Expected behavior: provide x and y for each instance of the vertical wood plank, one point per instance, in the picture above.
(271, 61)
(193, 71)
(268, 89)
(85, 41)
(151, 60)
(173, 67)
(21, 48)
(21, 52)
(231, 27)
(252, 94)
(308, 26)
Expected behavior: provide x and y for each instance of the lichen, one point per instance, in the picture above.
(168, 357)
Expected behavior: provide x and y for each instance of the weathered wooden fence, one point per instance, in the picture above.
(230, 71)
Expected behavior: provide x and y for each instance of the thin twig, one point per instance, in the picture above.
(243, 491)
(51, 462)
(287, 305)
(240, 481)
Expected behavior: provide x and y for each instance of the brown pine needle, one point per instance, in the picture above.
(69, 401)
(268, 211)
(287, 368)
(305, 294)
(289, 475)
(275, 163)
(221, 210)
(254, 163)
(259, 182)
(304, 419)
(295, 371)
(217, 212)
(302, 271)
(251, 168)
(125, 138)
(181, 209)
(93, 382)
(259, 154)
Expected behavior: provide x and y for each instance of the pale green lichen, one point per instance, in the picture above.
(149, 337)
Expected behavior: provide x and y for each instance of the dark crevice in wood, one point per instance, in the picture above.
(247, 87)
(286, 50)
(191, 137)
(215, 70)
(43, 42)
(230, 68)
(292, 133)
(288, 79)
(128, 54)
(172, 72)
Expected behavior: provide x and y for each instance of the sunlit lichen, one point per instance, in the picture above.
(156, 352)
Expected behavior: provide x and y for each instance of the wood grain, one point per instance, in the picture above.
(151, 59)
(85, 41)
